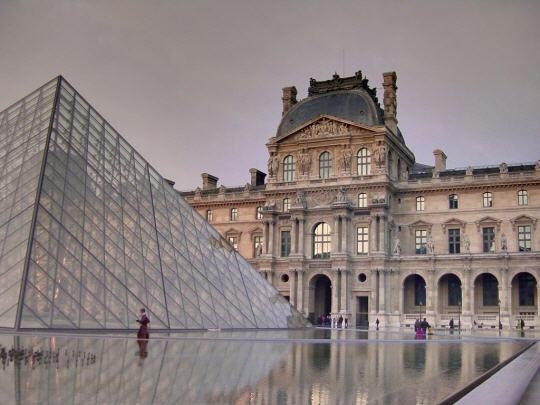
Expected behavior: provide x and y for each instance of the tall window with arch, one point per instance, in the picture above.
(362, 200)
(286, 204)
(322, 240)
(325, 165)
(289, 168)
(364, 162)
(523, 197)
(487, 199)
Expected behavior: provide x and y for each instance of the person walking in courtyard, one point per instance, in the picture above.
(424, 325)
(377, 324)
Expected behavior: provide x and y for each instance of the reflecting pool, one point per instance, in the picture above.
(254, 367)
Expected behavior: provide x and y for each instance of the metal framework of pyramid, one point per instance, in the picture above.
(90, 233)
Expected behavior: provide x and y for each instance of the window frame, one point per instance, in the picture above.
(209, 216)
(420, 241)
(523, 197)
(527, 241)
(488, 239)
(322, 241)
(363, 165)
(289, 169)
(286, 204)
(257, 241)
(453, 202)
(362, 240)
(325, 165)
(420, 203)
(362, 197)
(259, 212)
(454, 241)
(285, 243)
(487, 199)
(233, 214)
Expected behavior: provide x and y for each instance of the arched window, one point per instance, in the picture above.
(364, 162)
(289, 168)
(286, 205)
(523, 197)
(321, 241)
(325, 165)
(487, 200)
(362, 200)
(452, 201)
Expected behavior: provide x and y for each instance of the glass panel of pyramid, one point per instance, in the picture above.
(90, 233)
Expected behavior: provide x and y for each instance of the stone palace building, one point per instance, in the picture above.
(347, 223)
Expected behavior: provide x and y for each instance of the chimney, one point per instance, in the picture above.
(440, 160)
(289, 98)
(257, 177)
(209, 182)
(390, 101)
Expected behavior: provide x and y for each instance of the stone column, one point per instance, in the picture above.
(430, 293)
(382, 234)
(344, 232)
(537, 299)
(292, 287)
(300, 291)
(466, 292)
(294, 235)
(266, 237)
(382, 291)
(374, 293)
(335, 292)
(345, 289)
(301, 236)
(271, 238)
(335, 235)
(505, 293)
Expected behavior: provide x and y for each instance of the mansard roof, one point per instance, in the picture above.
(349, 98)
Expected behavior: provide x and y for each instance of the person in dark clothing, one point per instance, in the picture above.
(451, 324)
(143, 328)
(377, 324)
(424, 325)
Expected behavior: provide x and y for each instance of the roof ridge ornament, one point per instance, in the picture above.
(341, 83)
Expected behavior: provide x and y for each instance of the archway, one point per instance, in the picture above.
(486, 297)
(414, 295)
(449, 295)
(320, 302)
(524, 295)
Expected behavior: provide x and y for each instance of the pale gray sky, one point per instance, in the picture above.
(195, 86)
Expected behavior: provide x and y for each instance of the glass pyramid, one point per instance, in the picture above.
(90, 233)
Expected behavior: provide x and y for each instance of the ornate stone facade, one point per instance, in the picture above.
(348, 224)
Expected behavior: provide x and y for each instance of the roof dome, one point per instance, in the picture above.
(354, 105)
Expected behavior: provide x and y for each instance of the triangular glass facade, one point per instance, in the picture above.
(90, 233)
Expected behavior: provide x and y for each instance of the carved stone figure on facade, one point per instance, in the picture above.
(504, 243)
(345, 160)
(304, 162)
(259, 250)
(430, 245)
(469, 171)
(270, 205)
(503, 168)
(537, 165)
(380, 155)
(396, 249)
(300, 200)
(273, 165)
(467, 243)
(341, 196)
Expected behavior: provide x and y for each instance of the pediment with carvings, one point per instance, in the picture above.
(453, 223)
(488, 221)
(420, 225)
(523, 220)
(326, 127)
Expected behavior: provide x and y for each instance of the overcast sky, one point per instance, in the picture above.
(195, 86)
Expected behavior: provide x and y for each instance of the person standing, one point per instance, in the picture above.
(377, 324)
(143, 328)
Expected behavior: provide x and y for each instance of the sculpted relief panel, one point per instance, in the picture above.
(324, 128)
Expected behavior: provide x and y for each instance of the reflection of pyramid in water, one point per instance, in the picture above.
(90, 233)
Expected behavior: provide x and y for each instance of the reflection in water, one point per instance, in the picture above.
(234, 368)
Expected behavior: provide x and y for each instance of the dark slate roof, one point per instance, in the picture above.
(351, 105)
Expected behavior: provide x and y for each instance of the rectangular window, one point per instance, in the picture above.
(487, 199)
(523, 197)
(234, 214)
(490, 291)
(453, 241)
(420, 203)
(233, 241)
(259, 213)
(524, 238)
(209, 216)
(362, 240)
(420, 240)
(488, 239)
(285, 243)
(527, 286)
(257, 246)
(453, 202)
